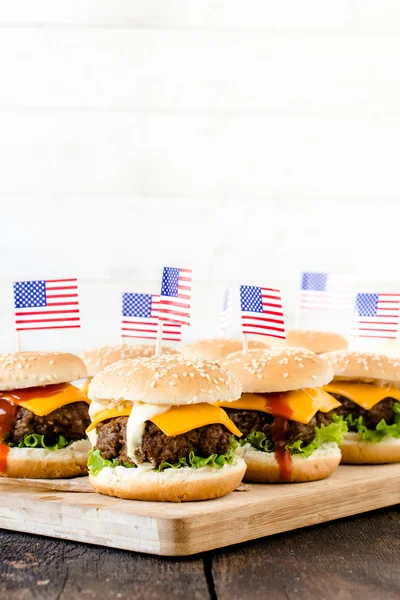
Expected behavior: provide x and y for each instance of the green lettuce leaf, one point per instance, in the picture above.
(326, 433)
(34, 440)
(258, 440)
(333, 432)
(197, 462)
(382, 429)
(96, 462)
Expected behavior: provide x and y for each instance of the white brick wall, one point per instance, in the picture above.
(250, 140)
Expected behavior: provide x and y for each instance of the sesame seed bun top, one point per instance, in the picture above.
(278, 369)
(164, 380)
(367, 367)
(96, 359)
(215, 348)
(316, 341)
(19, 370)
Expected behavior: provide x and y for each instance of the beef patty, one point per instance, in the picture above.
(248, 421)
(156, 447)
(371, 418)
(70, 420)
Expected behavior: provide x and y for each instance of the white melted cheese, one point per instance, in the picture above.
(141, 413)
(92, 435)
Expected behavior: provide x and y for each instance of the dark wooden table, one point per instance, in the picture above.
(355, 558)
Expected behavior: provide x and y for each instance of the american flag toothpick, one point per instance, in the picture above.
(140, 314)
(261, 312)
(175, 299)
(376, 316)
(46, 304)
(326, 291)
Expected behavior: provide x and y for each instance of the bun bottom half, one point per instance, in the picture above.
(172, 485)
(262, 467)
(355, 451)
(39, 463)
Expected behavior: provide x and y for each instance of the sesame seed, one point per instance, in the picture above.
(286, 374)
(19, 366)
(184, 374)
(176, 375)
(125, 389)
(172, 383)
(153, 383)
(191, 374)
(51, 362)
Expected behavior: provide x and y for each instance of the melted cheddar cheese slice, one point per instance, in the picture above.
(177, 419)
(365, 395)
(48, 398)
(108, 414)
(297, 405)
(181, 419)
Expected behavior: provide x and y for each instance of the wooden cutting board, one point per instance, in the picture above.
(183, 529)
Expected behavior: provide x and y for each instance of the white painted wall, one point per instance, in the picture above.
(249, 140)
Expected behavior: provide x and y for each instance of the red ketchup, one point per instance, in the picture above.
(276, 405)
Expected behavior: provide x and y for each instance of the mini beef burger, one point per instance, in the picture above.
(43, 418)
(156, 434)
(367, 386)
(282, 414)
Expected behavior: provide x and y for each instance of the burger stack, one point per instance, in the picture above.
(191, 427)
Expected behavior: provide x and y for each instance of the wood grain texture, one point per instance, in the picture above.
(36, 567)
(353, 559)
(189, 528)
(75, 484)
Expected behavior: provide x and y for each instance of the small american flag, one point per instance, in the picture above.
(262, 311)
(329, 291)
(226, 313)
(376, 315)
(176, 295)
(46, 304)
(140, 314)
